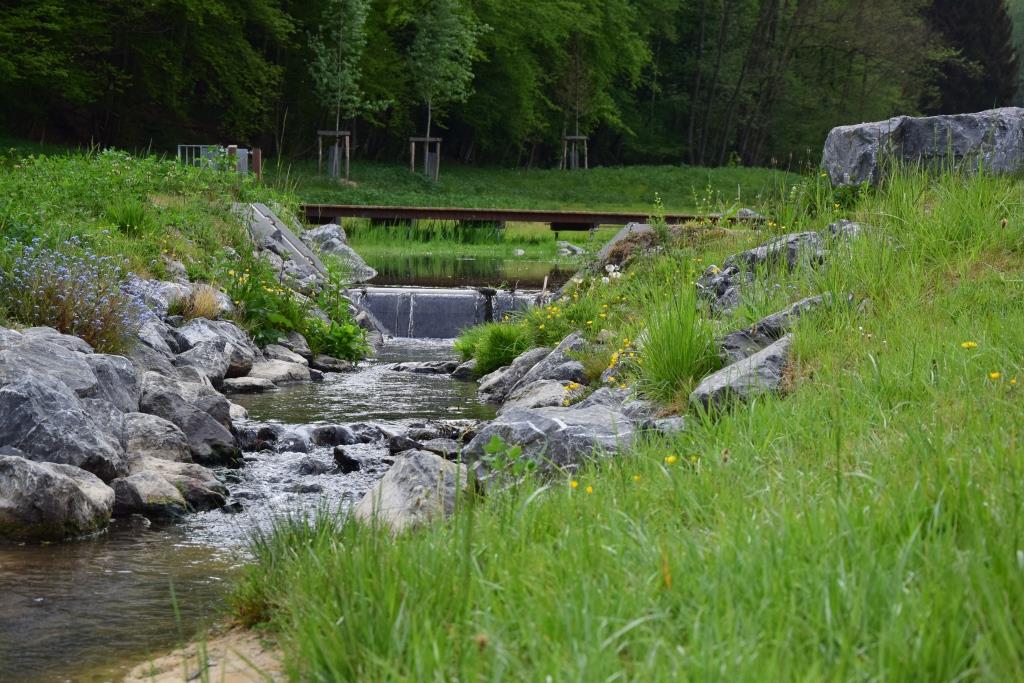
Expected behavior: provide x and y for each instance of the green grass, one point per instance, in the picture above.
(865, 527)
(140, 209)
(632, 188)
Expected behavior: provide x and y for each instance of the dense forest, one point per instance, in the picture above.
(708, 82)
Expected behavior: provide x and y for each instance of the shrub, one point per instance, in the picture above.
(679, 347)
(74, 291)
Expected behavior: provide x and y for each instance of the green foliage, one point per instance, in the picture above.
(338, 51)
(339, 336)
(166, 67)
(170, 210)
(442, 54)
(982, 68)
(264, 306)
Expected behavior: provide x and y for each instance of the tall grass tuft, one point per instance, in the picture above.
(678, 348)
(130, 217)
(494, 345)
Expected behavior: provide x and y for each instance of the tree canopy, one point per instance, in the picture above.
(695, 81)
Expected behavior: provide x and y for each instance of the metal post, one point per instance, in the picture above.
(412, 156)
(348, 154)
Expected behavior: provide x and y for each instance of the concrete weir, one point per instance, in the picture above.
(437, 313)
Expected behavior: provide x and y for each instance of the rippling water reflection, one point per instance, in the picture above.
(88, 610)
(376, 393)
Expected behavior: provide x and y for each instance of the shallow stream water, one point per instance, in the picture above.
(91, 609)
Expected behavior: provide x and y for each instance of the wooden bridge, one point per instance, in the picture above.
(558, 220)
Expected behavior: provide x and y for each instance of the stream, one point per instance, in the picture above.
(90, 610)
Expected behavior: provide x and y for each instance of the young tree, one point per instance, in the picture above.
(337, 55)
(442, 54)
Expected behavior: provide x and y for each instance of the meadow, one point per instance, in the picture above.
(865, 526)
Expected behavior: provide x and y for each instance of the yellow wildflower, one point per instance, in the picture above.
(590, 489)
(969, 345)
(995, 375)
(574, 484)
(671, 459)
(611, 380)
(540, 327)
(636, 477)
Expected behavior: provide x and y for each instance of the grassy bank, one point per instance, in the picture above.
(74, 225)
(632, 188)
(866, 526)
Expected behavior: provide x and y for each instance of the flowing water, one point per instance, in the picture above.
(89, 610)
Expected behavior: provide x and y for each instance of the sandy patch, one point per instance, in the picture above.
(233, 656)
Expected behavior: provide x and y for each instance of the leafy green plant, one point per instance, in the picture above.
(504, 460)
(264, 306)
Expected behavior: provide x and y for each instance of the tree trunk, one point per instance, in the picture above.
(696, 90)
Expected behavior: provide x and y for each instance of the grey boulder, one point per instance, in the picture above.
(758, 374)
(278, 352)
(144, 435)
(209, 440)
(49, 502)
(466, 371)
(280, 372)
(241, 354)
(46, 420)
(330, 239)
(495, 386)
(149, 494)
(557, 364)
(208, 358)
(556, 437)
(542, 394)
(419, 488)
(862, 153)
(116, 381)
(247, 385)
(741, 344)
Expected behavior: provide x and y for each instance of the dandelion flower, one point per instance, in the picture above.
(589, 489)
(1013, 381)
(671, 459)
(611, 380)
(995, 375)
(574, 484)
(969, 345)
(636, 477)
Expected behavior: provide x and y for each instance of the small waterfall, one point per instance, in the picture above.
(432, 313)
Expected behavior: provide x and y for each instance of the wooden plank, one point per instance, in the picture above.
(564, 219)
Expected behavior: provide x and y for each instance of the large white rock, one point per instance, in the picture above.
(419, 488)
